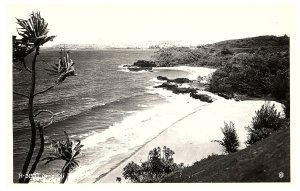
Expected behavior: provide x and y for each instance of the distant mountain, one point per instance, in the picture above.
(76, 46)
(236, 45)
(141, 45)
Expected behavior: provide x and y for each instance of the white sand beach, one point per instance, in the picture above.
(190, 135)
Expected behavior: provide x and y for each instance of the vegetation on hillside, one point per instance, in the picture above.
(230, 140)
(256, 67)
(268, 161)
(159, 164)
(266, 121)
(254, 74)
(174, 56)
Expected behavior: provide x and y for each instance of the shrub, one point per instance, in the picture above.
(280, 88)
(230, 140)
(266, 121)
(132, 171)
(201, 97)
(226, 51)
(159, 164)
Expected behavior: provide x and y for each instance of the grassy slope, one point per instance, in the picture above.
(260, 162)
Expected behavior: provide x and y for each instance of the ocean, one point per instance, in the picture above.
(111, 110)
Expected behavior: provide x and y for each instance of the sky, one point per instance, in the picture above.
(135, 23)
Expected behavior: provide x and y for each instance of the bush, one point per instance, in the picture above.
(201, 97)
(230, 140)
(280, 88)
(266, 121)
(132, 171)
(159, 164)
(253, 74)
(226, 51)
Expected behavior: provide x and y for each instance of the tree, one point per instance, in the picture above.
(34, 34)
(230, 140)
(266, 121)
(67, 151)
(159, 164)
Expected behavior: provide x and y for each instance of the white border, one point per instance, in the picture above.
(6, 109)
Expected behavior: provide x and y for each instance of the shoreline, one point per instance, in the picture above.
(192, 142)
(134, 131)
(188, 133)
(189, 147)
(141, 147)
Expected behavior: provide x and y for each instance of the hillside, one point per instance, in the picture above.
(273, 43)
(255, 67)
(219, 54)
(265, 161)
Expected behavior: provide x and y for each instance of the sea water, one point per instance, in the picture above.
(111, 110)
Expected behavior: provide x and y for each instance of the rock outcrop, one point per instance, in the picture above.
(201, 97)
(144, 63)
(141, 65)
(176, 87)
(176, 80)
(136, 68)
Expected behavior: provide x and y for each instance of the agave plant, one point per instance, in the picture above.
(68, 151)
(34, 30)
(64, 68)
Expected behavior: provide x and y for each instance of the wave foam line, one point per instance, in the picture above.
(147, 142)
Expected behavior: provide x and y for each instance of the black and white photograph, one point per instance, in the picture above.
(151, 93)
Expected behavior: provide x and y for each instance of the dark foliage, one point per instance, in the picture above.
(159, 164)
(174, 56)
(226, 96)
(266, 121)
(201, 97)
(144, 63)
(255, 67)
(230, 141)
(226, 51)
(253, 74)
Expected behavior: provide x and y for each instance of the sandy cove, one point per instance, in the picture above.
(190, 136)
